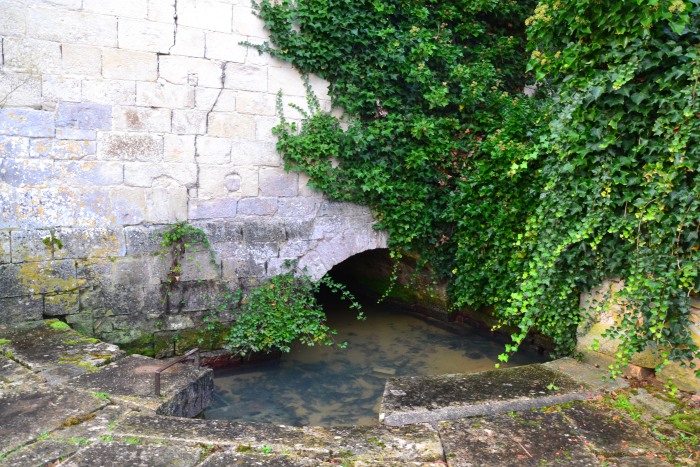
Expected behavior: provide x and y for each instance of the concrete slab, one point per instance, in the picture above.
(449, 397)
(25, 416)
(185, 390)
(522, 439)
(114, 454)
(415, 443)
(52, 347)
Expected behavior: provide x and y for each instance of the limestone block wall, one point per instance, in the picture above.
(603, 311)
(120, 118)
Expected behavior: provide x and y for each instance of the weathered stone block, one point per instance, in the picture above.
(246, 23)
(9, 285)
(98, 173)
(21, 89)
(213, 150)
(255, 153)
(142, 119)
(26, 172)
(129, 65)
(198, 264)
(56, 89)
(42, 207)
(12, 18)
(21, 309)
(256, 103)
(28, 245)
(225, 101)
(295, 248)
(189, 122)
(61, 304)
(147, 36)
(72, 26)
(231, 125)
(205, 14)
(31, 55)
(219, 181)
(221, 231)
(277, 182)
(14, 146)
(62, 149)
(82, 60)
(257, 206)
(169, 96)
(128, 206)
(130, 147)
(189, 41)
(144, 239)
(178, 148)
(26, 122)
(193, 71)
(212, 208)
(299, 229)
(225, 47)
(5, 250)
(263, 128)
(287, 79)
(333, 208)
(110, 91)
(147, 174)
(166, 203)
(95, 242)
(84, 116)
(298, 208)
(48, 277)
(263, 231)
(244, 77)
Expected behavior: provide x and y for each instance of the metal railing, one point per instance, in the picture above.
(185, 356)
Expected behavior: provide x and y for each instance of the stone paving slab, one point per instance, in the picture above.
(24, 417)
(185, 390)
(522, 439)
(416, 443)
(116, 454)
(610, 434)
(66, 440)
(421, 399)
(55, 351)
(16, 378)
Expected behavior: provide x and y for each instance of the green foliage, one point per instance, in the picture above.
(281, 310)
(522, 203)
(52, 241)
(620, 195)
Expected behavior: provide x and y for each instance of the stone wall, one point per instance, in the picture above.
(603, 311)
(120, 118)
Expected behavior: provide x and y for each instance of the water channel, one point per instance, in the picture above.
(332, 386)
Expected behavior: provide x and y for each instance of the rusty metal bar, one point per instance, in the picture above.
(185, 356)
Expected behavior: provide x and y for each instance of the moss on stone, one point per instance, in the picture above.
(57, 325)
(4, 341)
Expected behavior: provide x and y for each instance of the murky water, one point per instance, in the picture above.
(331, 386)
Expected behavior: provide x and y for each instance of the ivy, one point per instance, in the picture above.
(521, 203)
(281, 310)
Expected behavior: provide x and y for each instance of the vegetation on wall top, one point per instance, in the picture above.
(522, 203)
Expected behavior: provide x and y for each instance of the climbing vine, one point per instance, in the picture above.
(523, 203)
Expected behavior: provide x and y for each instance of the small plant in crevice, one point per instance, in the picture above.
(178, 239)
(52, 242)
(281, 310)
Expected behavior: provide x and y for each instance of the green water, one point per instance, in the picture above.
(331, 386)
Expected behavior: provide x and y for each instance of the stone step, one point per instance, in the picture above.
(374, 445)
(185, 390)
(428, 399)
(56, 352)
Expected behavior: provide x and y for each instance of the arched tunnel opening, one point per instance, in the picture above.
(343, 384)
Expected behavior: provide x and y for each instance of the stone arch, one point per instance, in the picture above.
(356, 237)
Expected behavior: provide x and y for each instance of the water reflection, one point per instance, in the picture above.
(330, 386)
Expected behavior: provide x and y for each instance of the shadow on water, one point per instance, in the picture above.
(331, 386)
